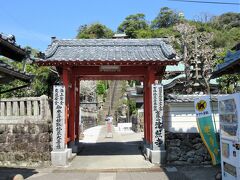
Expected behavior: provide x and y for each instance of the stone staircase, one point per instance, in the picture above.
(111, 103)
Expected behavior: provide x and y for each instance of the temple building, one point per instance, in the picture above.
(231, 64)
(13, 52)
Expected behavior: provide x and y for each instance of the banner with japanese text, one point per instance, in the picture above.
(206, 127)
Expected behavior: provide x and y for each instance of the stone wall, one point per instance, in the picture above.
(186, 148)
(25, 131)
(88, 119)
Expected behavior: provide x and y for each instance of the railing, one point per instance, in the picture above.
(18, 110)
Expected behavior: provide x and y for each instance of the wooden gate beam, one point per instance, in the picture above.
(77, 109)
(72, 107)
(65, 80)
(148, 81)
(96, 71)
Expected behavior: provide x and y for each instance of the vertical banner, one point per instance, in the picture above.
(157, 117)
(58, 117)
(206, 127)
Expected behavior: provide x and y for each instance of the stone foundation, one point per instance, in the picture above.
(186, 148)
(25, 131)
(88, 122)
(88, 119)
(25, 144)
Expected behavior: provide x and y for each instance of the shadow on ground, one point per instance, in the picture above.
(110, 148)
(7, 173)
(175, 175)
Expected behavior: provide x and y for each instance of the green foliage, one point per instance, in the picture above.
(220, 57)
(132, 24)
(226, 38)
(228, 83)
(40, 85)
(94, 31)
(166, 18)
(101, 87)
(165, 32)
(202, 27)
(157, 33)
(226, 21)
(220, 39)
(144, 33)
(131, 106)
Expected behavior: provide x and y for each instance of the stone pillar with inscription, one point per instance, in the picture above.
(157, 148)
(59, 154)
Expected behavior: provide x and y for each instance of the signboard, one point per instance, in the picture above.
(109, 68)
(206, 127)
(58, 117)
(202, 107)
(228, 118)
(229, 114)
(157, 116)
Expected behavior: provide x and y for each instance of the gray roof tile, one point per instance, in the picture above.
(173, 98)
(110, 49)
(10, 49)
(11, 72)
(229, 66)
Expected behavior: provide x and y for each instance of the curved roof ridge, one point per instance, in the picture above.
(76, 49)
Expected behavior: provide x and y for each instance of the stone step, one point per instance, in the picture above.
(113, 95)
(72, 157)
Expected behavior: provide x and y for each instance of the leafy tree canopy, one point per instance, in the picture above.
(101, 87)
(94, 31)
(226, 21)
(132, 24)
(41, 84)
(166, 18)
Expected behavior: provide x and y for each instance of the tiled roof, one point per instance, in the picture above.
(10, 49)
(173, 98)
(110, 50)
(9, 73)
(231, 65)
(169, 83)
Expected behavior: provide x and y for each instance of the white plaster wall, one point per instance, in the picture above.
(180, 117)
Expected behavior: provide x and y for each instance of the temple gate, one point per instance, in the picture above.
(108, 59)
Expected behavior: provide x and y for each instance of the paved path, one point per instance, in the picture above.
(116, 158)
(121, 151)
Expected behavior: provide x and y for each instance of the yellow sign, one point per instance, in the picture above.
(201, 105)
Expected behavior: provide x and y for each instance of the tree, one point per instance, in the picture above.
(132, 24)
(227, 83)
(165, 18)
(41, 84)
(94, 31)
(198, 57)
(43, 79)
(226, 21)
(101, 87)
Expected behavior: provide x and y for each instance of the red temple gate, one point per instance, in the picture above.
(107, 59)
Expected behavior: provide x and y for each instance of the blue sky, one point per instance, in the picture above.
(34, 22)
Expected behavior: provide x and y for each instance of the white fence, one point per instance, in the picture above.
(19, 110)
(124, 126)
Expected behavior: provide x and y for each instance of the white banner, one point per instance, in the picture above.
(157, 116)
(58, 117)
